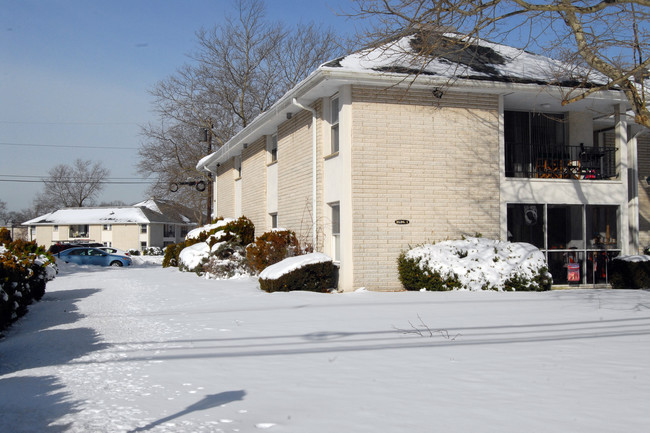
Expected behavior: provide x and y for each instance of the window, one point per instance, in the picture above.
(169, 231)
(273, 148)
(571, 236)
(107, 227)
(334, 121)
(143, 245)
(79, 231)
(184, 231)
(55, 228)
(336, 231)
(143, 228)
(274, 220)
(238, 166)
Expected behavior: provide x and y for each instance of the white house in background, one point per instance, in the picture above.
(363, 159)
(151, 223)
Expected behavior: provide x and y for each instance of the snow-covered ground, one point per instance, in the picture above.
(157, 350)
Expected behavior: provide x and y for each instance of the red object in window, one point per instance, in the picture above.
(573, 272)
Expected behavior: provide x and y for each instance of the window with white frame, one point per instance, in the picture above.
(336, 231)
(55, 228)
(274, 220)
(334, 122)
(107, 227)
(143, 228)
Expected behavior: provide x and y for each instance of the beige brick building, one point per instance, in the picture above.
(362, 163)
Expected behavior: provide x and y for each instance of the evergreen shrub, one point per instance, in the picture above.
(624, 274)
(413, 277)
(315, 277)
(25, 269)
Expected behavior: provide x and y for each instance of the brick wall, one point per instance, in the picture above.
(295, 175)
(433, 162)
(226, 190)
(254, 184)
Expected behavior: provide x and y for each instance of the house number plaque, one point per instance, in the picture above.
(402, 222)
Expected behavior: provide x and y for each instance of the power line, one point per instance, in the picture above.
(11, 122)
(75, 182)
(67, 145)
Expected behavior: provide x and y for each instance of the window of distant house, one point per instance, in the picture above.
(274, 220)
(143, 228)
(336, 231)
(55, 228)
(107, 227)
(184, 231)
(169, 231)
(79, 231)
(273, 148)
(143, 245)
(334, 122)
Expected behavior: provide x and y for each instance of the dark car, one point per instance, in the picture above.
(93, 256)
(62, 246)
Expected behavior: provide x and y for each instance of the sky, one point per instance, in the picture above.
(75, 77)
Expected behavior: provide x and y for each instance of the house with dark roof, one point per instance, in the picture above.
(151, 223)
(384, 149)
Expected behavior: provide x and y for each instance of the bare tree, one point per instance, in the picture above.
(241, 67)
(607, 37)
(73, 185)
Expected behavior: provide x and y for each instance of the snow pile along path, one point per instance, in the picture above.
(157, 350)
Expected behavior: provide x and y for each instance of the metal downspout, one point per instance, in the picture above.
(313, 168)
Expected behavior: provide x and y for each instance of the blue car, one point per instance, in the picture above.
(93, 256)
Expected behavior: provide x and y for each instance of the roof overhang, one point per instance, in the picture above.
(326, 81)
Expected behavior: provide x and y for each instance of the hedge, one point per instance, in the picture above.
(315, 277)
(626, 274)
(25, 269)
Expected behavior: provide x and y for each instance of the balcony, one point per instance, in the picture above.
(560, 162)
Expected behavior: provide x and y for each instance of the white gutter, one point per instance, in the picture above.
(313, 168)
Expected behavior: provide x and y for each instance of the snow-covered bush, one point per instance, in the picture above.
(630, 272)
(152, 251)
(474, 264)
(314, 272)
(240, 231)
(272, 247)
(25, 268)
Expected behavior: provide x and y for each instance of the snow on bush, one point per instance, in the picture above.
(314, 272)
(474, 264)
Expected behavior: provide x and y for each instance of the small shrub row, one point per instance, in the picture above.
(626, 274)
(314, 277)
(25, 269)
(240, 231)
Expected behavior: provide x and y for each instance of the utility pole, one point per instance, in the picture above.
(208, 138)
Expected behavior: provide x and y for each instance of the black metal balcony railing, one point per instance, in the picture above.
(560, 162)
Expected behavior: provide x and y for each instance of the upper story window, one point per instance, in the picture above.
(238, 167)
(536, 146)
(55, 228)
(143, 228)
(334, 122)
(273, 148)
(169, 231)
(107, 227)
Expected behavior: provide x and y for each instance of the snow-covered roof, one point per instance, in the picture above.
(456, 56)
(146, 212)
